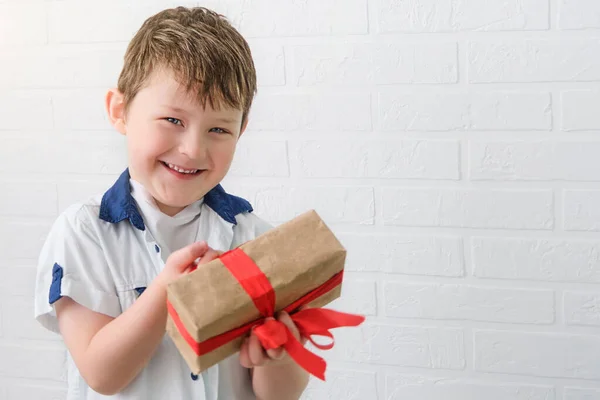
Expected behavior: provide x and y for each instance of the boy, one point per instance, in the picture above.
(182, 101)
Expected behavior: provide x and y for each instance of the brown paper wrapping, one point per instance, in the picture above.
(297, 257)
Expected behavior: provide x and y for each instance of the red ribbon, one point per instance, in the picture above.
(272, 333)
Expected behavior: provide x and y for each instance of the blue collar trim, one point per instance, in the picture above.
(118, 204)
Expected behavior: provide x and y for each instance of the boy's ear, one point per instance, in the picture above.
(115, 108)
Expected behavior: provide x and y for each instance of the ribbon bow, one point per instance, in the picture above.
(313, 321)
(272, 333)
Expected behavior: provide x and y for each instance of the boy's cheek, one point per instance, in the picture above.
(223, 156)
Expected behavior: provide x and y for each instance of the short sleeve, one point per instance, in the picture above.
(249, 226)
(260, 225)
(72, 264)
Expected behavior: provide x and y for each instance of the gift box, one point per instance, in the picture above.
(299, 263)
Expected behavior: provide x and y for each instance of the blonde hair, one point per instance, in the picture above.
(205, 52)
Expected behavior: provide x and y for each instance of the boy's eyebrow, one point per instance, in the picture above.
(173, 108)
(226, 120)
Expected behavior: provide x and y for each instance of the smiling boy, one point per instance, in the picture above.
(182, 102)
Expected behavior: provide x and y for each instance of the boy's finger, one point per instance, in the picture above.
(208, 256)
(244, 355)
(182, 258)
(256, 351)
(285, 319)
(276, 354)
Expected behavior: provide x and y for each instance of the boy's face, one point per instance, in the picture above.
(176, 148)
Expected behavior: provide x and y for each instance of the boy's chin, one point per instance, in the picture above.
(173, 204)
(180, 203)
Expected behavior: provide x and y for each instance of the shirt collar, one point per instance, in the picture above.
(118, 204)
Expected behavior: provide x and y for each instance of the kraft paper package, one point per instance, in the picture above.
(299, 263)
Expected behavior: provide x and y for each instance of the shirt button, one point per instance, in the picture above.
(194, 376)
(157, 248)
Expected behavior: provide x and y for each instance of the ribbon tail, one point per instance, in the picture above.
(311, 363)
(314, 320)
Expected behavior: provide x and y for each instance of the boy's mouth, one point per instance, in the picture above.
(180, 170)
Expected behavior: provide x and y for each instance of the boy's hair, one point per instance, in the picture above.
(208, 56)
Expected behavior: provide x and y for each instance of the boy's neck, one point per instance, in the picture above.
(168, 210)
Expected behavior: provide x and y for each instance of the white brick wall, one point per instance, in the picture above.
(548, 60)
(400, 387)
(451, 144)
(572, 393)
(558, 355)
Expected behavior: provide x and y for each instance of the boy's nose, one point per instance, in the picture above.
(193, 146)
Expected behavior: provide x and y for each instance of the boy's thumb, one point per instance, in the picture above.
(183, 258)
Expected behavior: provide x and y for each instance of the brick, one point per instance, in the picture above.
(568, 60)
(33, 362)
(16, 110)
(400, 387)
(263, 18)
(578, 14)
(344, 64)
(368, 63)
(292, 112)
(77, 191)
(18, 321)
(466, 302)
(334, 204)
(269, 62)
(63, 67)
(22, 240)
(555, 260)
(582, 308)
(537, 354)
(28, 199)
(22, 25)
(22, 278)
(399, 159)
(535, 160)
(69, 21)
(17, 392)
(402, 254)
(31, 156)
(68, 18)
(578, 111)
(423, 63)
(574, 393)
(468, 208)
(404, 346)
(358, 296)
(461, 111)
(260, 158)
(91, 113)
(99, 157)
(342, 384)
(580, 210)
(461, 15)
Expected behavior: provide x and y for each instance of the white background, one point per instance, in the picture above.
(452, 144)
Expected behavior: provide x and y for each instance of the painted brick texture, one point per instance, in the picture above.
(451, 144)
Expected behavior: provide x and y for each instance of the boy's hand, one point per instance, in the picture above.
(185, 260)
(252, 354)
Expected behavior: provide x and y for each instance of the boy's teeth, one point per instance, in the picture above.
(183, 171)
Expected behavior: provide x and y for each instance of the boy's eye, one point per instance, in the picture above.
(218, 130)
(174, 121)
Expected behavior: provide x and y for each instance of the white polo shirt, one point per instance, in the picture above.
(102, 254)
